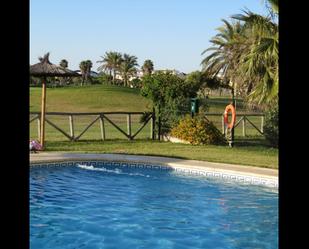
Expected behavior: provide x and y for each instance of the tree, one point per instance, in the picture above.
(260, 63)
(169, 95)
(110, 62)
(88, 69)
(273, 6)
(245, 55)
(83, 66)
(198, 81)
(128, 67)
(63, 63)
(147, 67)
(225, 54)
(271, 127)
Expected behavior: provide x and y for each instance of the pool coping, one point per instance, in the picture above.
(264, 176)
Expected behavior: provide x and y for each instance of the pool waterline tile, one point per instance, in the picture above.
(207, 172)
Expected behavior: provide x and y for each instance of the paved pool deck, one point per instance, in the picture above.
(272, 174)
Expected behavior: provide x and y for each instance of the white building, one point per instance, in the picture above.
(174, 72)
(139, 74)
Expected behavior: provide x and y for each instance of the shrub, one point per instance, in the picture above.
(95, 81)
(76, 80)
(170, 97)
(105, 78)
(271, 127)
(198, 130)
(136, 83)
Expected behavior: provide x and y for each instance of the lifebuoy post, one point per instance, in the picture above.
(231, 144)
(230, 124)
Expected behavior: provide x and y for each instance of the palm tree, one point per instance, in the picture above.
(147, 67)
(83, 66)
(224, 58)
(273, 6)
(245, 53)
(260, 64)
(63, 63)
(106, 66)
(128, 67)
(88, 69)
(110, 62)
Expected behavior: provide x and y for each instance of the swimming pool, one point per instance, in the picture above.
(108, 206)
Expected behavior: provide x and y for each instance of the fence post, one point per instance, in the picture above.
(223, 125)
(129, 125)
(152, 126)
(102, 126)
(39, 127)
(262, 123)
(159, 129)
(244, 126)
(71, 127)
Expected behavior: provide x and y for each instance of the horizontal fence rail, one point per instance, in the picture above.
(244, 119)
(100, 117)
(248, 121)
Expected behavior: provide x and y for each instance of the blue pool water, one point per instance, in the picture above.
(109, 207)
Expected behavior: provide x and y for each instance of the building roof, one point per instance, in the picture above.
(92, 73)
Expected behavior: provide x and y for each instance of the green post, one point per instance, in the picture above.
(159, 123)
(194, 106)
(153, 123)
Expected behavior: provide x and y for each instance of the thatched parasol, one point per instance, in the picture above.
(45, 69)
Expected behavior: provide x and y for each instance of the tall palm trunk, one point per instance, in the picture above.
(83, 77)
(114, 76)
(125, 80)
(86, 76)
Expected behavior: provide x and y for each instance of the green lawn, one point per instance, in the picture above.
(250, 150)
(255, 155)
(218, 103)
(95, 98)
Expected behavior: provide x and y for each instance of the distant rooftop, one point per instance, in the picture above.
(92, 73)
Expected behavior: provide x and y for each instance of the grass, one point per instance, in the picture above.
(250, 150)
(218, 104)
(255, 155)
(94, 132)
(91, 98)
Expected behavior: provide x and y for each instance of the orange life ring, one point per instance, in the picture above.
(229, 108)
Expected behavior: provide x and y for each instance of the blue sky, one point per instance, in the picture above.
(171, 33)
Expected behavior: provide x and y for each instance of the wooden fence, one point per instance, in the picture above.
(241, 118)
(97, 117)
(244, 119)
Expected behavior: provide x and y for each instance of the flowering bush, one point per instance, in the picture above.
(198, 130)
(35, 145)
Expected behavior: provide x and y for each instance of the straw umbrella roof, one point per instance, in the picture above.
(47, 69)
